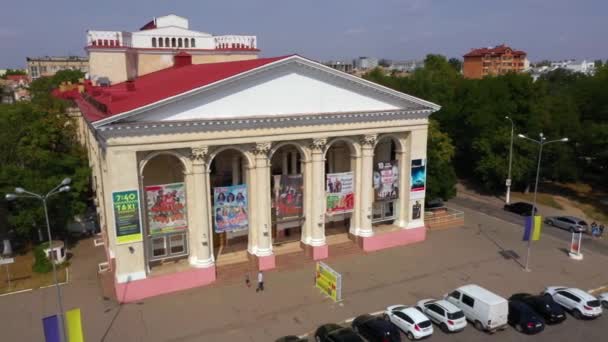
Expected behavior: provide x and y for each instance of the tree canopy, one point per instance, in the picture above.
(38, 148)
(559, 104)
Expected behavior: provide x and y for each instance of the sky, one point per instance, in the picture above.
(324, 29)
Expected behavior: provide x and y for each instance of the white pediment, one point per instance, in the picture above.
(290, 89)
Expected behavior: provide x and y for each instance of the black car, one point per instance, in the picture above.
(521, 208)
(291, 338)
(524, 319)
(336, 333)
(549, 310)
(376, 329)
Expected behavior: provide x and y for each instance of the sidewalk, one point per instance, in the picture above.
(291, 305)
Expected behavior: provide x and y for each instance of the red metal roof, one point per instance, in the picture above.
(98, 103)
(149, 26)
(497, 50)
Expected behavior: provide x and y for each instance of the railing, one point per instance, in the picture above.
(235, 42)
(109, 38)
(442, 215)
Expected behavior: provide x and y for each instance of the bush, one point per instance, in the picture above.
(42, 264)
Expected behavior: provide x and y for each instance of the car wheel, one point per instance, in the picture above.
(605, 304)
(549, 222)
(444, 328)
(356, 329)
(518, 327)
(317, 338)
(478, 326)
(410, 336)
(572, 229)
(577, 314)
(386, 318)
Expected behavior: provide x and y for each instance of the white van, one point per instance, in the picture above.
(486, 310)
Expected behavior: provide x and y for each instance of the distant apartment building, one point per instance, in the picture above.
(341, 66)
(48, 66)
(365, 63)
(493, 61)
(117, 56)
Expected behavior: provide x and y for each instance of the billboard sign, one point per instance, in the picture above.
(340, 195)
(328, 281)
(288, 196)
(166, 206)
(386, 181)
(418, 179)
(230, 208)
(126, 216)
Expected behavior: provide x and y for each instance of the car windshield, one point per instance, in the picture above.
(582, 223)
(424, 324)
(455, 315)
(399, 308)
(594, 303)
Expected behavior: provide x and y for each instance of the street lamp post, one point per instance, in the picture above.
(22, 193)
(508, 182)
(541, 142)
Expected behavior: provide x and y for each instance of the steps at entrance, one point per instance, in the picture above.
(231, 258)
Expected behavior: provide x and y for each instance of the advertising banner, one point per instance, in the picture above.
(418, 179)
(386, 181)
(166, 208)
(340, 195)
(230, 208)
(416, 210)
(329, 281)
(126, 216)
(288, 196)
(575, 244)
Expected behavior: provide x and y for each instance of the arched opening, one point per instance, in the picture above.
(192, 42)
(186, 42)
(287, 194)
(340, 186)
(385, 182)
(179, 42)
(173, 42)
(230, 201)
(164, 193)
(167, 42)
(153, 42)
(160, 42)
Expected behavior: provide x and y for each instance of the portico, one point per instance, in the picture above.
(281, 149)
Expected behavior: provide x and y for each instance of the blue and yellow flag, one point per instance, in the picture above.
(533, 228)
(74, 325)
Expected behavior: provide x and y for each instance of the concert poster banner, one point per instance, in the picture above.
(418, 179)
(230, 208)
(126, 216)
(340, 195)
(386, 180)
(166, 206)
(288, 196)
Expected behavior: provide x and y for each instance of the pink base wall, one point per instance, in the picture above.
(266, 262)
(158, 285)
(392, 239)
(320, 252)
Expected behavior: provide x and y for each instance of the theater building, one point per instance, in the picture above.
(198, 163)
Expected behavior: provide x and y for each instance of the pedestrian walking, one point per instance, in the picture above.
(247, 280)
(260, 282)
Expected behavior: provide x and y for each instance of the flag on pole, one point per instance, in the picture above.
(50, 325)
(527, 228)
(538, 224)
(74, 325)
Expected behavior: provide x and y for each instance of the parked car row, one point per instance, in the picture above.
(487, 311)
(570, 223)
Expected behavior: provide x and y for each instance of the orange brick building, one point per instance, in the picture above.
(498, 60)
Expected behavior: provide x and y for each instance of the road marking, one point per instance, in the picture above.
(377, 313)
(16, 292)
(598, 289)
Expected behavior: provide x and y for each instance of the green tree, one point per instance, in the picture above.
(441, 178)
(456, 64)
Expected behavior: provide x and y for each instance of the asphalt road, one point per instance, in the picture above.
(588, 243)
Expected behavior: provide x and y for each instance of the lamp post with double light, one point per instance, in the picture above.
(541, 142)
(508, 182)
(22, 193)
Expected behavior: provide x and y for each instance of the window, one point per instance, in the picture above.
(186, 42)
(179, 42)
(153, 42)
(437, 309)
(160, 42)
(455, 315)
(569, 296)
(43, 69)
(34, 70)
(192, 42)
(158, 247)
(455, 294)
(177, 243)
(404, 317)
(468, 300)
(167, 42)
(424, 324)
(173, 42)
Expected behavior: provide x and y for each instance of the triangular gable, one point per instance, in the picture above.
(287, 86)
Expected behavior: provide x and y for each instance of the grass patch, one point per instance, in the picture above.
(23, 278)
(541, 198)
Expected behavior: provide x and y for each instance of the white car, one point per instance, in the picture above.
(578, 302)
(412, 322)
(603, 297)
(445, 314)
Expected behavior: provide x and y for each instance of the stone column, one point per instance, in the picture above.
(317, 203)
(367, 187)
(418, 141)
(403, 209)
(262, 206)
(198, 210)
